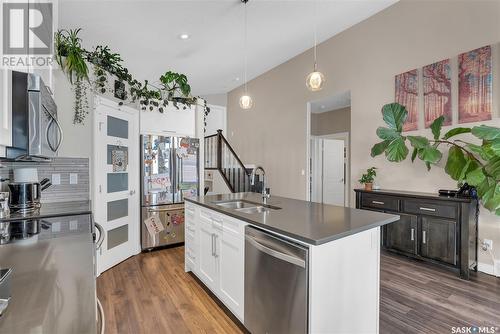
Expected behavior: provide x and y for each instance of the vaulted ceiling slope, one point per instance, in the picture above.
(147, 34)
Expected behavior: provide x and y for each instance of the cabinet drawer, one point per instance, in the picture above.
(380, 202)
(430, 209)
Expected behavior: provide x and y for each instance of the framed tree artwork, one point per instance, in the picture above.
(475, 91)
(437, 92)
(407, 95)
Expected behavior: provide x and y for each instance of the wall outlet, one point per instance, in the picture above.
(487, 244)
(73, 178)
(56, 179)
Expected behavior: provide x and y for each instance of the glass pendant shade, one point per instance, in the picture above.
(246, 102)
(315, 81)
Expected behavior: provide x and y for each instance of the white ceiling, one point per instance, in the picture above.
(146, 34)
(338, 101)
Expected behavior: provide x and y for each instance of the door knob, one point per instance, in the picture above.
(132, 192)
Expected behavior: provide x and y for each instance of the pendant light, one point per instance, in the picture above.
(315, 80)
(246, 101)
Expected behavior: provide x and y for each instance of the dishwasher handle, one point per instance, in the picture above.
(274, 253)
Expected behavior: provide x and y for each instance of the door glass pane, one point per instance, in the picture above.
(117, 182)
(117, 236)
(112, 148)
(117, 209)
(117, 127)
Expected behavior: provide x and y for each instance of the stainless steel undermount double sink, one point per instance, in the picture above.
(246, 206)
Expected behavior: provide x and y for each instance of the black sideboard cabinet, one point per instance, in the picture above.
(433, 228)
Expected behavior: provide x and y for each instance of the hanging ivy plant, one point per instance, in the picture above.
(74, 59)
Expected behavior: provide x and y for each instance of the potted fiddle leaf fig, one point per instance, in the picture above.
(475, 163)
(368, 178)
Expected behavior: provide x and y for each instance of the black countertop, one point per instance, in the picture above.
(312, 223)
(415, 194)
(48, 210)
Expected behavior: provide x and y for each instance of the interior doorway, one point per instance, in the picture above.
(328, 150)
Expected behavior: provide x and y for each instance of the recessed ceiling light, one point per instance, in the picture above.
(237, 79)
(184, 36)
(323, 107)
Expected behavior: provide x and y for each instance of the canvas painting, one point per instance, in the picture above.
(475, 91)
(437, 92)
(407, 95)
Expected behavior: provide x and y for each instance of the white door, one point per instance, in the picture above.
(116, 180)
(333, 172)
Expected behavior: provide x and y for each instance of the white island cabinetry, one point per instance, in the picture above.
(215, 253)
(342, 274)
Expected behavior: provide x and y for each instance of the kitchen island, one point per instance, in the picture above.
(288, 265)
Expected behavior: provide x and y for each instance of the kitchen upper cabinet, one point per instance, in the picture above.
(402, 235)
(439, 240)
(171, 121)
(5, 110)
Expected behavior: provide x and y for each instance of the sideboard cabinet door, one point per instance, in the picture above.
(438, 239)
(402, 235)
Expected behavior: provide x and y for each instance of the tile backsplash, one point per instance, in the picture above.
(63, 192)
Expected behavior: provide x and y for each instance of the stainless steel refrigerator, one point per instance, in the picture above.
(170, 172)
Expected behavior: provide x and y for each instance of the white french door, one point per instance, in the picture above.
(327, 171)
(116, 181)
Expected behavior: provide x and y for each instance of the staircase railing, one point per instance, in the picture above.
(219, 155)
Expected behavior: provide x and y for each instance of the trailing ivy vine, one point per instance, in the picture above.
(74, 60)
(477, 165)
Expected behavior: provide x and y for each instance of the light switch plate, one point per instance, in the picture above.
(56, 179)
(73, 178)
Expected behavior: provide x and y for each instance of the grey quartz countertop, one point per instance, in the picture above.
(48, 210)
(309, 222)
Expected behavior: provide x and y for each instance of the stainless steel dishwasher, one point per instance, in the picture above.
(276, 284)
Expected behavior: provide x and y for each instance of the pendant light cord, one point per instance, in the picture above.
(315, 37)
(245, 44)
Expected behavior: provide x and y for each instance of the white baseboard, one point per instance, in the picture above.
(489, 269)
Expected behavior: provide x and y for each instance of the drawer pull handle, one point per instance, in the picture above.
(412, 234)
(428, 209)
(378, 202)
(424, 239)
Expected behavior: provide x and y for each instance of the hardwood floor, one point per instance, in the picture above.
(151, 293)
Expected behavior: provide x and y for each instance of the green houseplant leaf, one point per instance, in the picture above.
(394, 115)
(387, 133)
(418, 142)
(397, 150)
(379, 148)
(456, 131)
(486, 132)
(430, 155)
(455, 163)
(475, 177)
(436, 127)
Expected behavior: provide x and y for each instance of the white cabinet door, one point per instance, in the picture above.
(170, 122)
(231, 272)
(207, 260)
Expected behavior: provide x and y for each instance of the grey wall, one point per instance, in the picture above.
(329, 122)
(363, 59)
